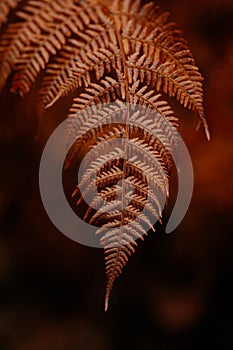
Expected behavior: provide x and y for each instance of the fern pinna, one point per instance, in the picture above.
(107, 51)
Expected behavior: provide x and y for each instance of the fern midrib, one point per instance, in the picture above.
(123, 197)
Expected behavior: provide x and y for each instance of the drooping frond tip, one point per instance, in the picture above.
(203, 122)
(106, 303)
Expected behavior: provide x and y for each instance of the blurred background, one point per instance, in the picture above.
(176, 292)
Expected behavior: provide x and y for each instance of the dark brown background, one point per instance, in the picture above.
(176, 292)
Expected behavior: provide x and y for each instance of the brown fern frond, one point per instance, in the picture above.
(95, 52)
(104, 169)
(18, 36)
(5, 7)
(61, 23)
(115, 55)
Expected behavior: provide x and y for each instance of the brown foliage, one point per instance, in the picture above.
(118, 52)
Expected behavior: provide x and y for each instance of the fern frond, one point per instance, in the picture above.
(5, 7)
(56, 26)
(115, 56)
(96, 52)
